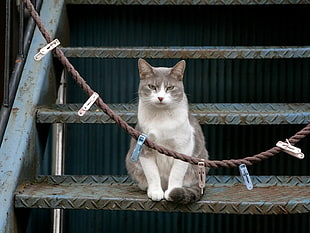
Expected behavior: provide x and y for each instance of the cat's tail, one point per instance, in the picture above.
(185, 195)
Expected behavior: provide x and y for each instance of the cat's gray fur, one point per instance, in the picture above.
(163, 115)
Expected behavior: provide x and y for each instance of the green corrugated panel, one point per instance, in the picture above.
(101, 149)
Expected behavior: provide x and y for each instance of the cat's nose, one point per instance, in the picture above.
(160, 98)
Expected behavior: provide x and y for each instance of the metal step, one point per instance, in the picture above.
(219, 114)
(223, 194)
(189, 52)
(188, 2)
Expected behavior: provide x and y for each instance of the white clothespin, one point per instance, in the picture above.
(135, 154)
(290, 149)
(91, 100)
(46, 49)
(245, 176)
(201, 176)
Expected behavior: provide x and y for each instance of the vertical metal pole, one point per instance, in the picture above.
(58, 153)
(6, 100)
(21, 51)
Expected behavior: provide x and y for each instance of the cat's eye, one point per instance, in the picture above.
(170, 88)
(152, 87)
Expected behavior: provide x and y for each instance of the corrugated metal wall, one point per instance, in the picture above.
(101, 149)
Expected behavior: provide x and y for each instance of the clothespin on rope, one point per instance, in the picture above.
(290, 149)
(201, 176)
(136, 152)
(245, 176)
(91, 100)
(46, 49)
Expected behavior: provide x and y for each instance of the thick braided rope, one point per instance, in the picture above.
(135, 134)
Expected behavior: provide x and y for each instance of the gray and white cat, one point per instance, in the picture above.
(163, 115)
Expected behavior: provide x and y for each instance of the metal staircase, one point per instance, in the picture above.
(35, 108)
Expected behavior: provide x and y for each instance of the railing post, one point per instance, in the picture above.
(7, 53)
(58, 153)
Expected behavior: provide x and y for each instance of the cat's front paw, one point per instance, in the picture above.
(167, 194)
(155, 195)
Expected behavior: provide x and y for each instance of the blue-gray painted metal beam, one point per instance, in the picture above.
(222, 52)
(215, 114)
(223, 194)
(188, 2)
(20, 149)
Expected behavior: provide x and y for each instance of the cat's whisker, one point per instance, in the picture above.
(133, 101)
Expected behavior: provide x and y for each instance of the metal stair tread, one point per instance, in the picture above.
(215, 113)
(187, 2)
(223, 194)
(191, 52)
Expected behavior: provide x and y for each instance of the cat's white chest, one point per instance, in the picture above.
(170, 129)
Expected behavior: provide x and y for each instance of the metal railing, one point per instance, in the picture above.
(12, 77)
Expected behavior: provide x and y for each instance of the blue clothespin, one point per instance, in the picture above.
(245, 176)
(137, 150)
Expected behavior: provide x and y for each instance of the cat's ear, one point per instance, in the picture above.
(178, 70)
(145, 69)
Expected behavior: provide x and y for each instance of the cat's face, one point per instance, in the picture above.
(160, 86)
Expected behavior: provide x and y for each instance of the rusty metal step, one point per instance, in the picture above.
(224, 114)
(223, 194)
(188, 2)
(221, 52)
